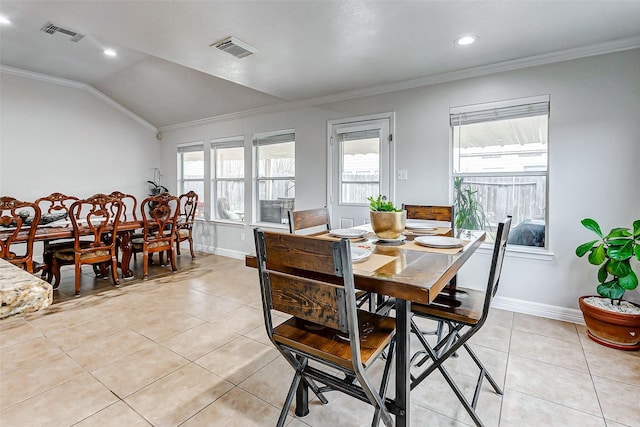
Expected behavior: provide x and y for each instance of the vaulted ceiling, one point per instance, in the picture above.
(167, 72)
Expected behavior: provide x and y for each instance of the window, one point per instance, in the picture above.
(227, 178)
(500, 167)
(359, 166)
(191, 161)
(275, 175)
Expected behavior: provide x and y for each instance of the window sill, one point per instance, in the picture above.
(270, 225)
(520, 252)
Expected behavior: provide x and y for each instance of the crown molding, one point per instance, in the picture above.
(515, 64)
(78, 85)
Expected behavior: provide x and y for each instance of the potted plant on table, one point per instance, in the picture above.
(387, 221)
(612, 321)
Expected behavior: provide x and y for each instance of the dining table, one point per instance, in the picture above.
(409, 273)
(63, 229)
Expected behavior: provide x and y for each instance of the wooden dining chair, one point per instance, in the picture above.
(129, 205)
(17, 219)
(309, 220)
(159, 216)
(186, 220)
(432, 213)
(311, 279)
(464, 312)
(55, 206)
(96, 217)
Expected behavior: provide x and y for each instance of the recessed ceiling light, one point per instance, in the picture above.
(110, 52)
(466, 39)
(4, 20)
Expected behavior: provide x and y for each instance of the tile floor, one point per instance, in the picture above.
(190, 349)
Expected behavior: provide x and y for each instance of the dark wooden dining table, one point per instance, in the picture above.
(412, 276)
(48, 232)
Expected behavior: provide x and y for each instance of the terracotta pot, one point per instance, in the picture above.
(616, 330)
(388, 225)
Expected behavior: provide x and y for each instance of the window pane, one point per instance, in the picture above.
(481, 202)
(198, 187)
(361, 160)
(513, 145)
(357, 192)
(277, 160)
(193, 165)
(276, 197)
(230, 202)
(229, 162)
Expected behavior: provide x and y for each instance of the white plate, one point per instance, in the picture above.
(399, 239)
(415, 225)
(359, 254)
(351, 233)
(439, 241)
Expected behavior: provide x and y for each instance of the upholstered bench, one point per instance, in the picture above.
(22, 292)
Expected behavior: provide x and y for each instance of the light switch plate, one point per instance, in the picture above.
(403, 175)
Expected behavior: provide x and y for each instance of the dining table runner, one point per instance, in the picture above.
(374, 262)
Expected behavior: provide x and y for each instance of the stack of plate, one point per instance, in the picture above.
(350, 233)
(439, 242)
(419, 227)
(359, 254)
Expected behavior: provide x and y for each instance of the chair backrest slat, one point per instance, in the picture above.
(159, 215)
(129, 205)
(18, 218)
(300, 220)
(499, 249)
(433, 213)
(290, 254)
(97, 216)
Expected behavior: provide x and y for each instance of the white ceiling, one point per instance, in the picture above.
(167, 73)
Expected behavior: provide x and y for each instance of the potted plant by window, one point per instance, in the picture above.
(610, 320)
(387, 221)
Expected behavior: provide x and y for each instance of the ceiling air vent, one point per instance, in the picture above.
(49, 28)
(235, 47)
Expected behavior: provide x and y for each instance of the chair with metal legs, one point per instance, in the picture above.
(309, 219)
(464, 312)
(311, 279)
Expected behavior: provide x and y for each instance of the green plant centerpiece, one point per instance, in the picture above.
(387, 221)
(610, 320)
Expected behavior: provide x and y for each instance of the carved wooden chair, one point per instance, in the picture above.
(96, 217)
(464, 312)
(17, 219)
(311, 279)
(55, 206)
(186, 219)
(129, 205)
(316, 219)
(159, 216)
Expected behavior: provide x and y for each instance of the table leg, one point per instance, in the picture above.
(403, 356)
(125, 248)
(302, 399)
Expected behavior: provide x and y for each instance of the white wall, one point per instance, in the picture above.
(60, 138)
(594, 139)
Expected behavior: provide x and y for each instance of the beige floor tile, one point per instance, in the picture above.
(421, 416)
(546, 327)
(178, 396)
(295, 422)
(165, 324)
(241, 320)
(493, 336)
(272, 382)
(502, 318)
(102, 351)
(36, 377)
(552, 383)
(64, 405)
(616, 365)
(236, 408)
(58, 317)
(614, 424)
(76, 335)
(495, 361)
(238, 360)
(522, 410)
(17, 332)
(212, 309)
(117, 415)
(620, 402)
(549, 350)
(198, 341)
(137, 370)
(25, 352)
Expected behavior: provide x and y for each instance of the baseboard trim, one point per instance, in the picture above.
(541, 310)
(220, 251)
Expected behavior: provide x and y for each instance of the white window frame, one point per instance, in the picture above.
(257, 137)
(214, 146)
(536, 105)
(191, 147)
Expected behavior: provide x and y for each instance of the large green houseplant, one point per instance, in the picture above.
(612, 322)
(469, 212)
